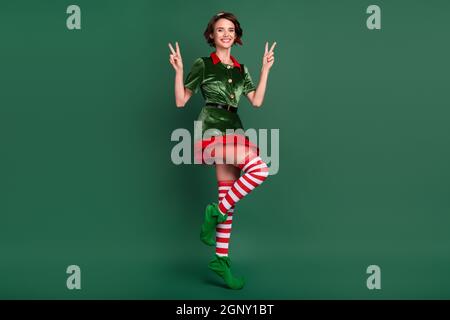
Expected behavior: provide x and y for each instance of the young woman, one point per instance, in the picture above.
(222, 80)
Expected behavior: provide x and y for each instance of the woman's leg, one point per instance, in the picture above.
(227, 172)
(255, 173)
(227, 175)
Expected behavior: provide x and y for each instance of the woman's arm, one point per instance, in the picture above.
(182, 95)
(256, 97)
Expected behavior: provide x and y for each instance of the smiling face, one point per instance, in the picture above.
(224, 33)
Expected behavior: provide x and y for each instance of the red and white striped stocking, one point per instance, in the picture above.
(223, 230)
(255, 172)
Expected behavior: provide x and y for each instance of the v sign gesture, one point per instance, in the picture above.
(268, 58)
(181, 94)
(256, 97)
(175, 58)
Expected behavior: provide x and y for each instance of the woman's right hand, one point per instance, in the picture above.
(175, 58)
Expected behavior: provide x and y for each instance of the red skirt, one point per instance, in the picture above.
(206, 150)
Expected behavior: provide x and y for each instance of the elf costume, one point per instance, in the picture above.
(222, 86)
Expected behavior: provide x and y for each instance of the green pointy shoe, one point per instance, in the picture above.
(222, 267)
(212, 218)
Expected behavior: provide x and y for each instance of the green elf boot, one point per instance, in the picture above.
(212, 218)
(222, 267)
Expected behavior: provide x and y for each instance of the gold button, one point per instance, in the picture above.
(232, 96)
(230, 80)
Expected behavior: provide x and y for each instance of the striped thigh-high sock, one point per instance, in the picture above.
(255, 172)
(223, 230)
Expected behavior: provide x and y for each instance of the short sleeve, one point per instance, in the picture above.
(248, 83)
(195, 76)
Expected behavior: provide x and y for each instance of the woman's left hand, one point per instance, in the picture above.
(268, 58)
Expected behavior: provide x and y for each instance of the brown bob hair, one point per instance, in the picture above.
(223, 15)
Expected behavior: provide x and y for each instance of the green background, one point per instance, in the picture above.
(86, 176)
